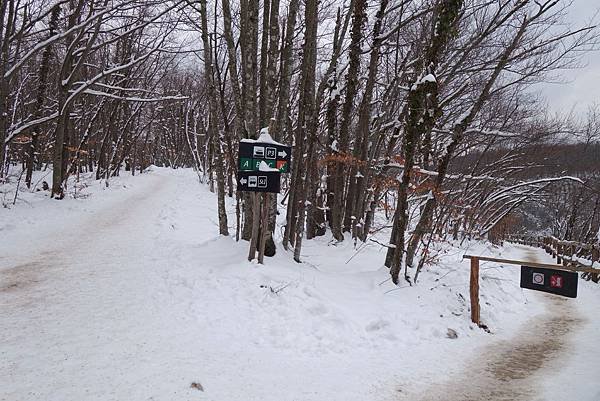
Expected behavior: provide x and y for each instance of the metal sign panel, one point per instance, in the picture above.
(259, 181)
(276, 156)
(554, 281)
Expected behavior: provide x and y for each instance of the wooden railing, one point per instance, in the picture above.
(567, 253)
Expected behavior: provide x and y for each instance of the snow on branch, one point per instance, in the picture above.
(85, 85)
(420, 170)
(505, 191)
(134, 99)
(119, 88)
(13, 131)
(53, 39)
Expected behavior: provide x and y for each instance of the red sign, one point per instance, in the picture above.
(556, 281)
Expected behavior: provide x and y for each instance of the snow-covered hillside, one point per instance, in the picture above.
(128, 293)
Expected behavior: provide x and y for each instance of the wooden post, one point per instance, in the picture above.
(264, 226)
(255, 226)
(595, 257)
(474, 282)
(474, 291)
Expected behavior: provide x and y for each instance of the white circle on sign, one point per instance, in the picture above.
(538, 278)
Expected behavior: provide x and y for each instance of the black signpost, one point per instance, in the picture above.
(543, 277)
(260, 164)
(559, 282)
(251, 153)
(259, 181)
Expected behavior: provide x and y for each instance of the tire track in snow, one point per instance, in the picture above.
(509, 370)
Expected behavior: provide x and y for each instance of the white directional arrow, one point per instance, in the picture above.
(243, 181)
(282, 153)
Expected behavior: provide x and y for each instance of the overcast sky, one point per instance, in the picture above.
(582, 86)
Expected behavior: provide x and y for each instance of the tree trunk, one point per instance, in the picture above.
(364, 121)
(457, 136)
(264, 59)
(422, 105)
(5, 33)
(337, 214)
(213, 123)
(305, 129)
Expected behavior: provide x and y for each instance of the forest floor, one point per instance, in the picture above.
(127, 293)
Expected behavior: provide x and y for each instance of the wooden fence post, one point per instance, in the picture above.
(595, 258)
(474, 291)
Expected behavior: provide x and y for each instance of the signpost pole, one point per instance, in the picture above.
(474, 291)
(255, 225)
(595, 258)
(260, 165)
(264, 226)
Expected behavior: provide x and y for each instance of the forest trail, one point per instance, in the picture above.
(509, 370)
(77, 305)
(79, 248)
(51, 241)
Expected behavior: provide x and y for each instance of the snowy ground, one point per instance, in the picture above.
(127, 293)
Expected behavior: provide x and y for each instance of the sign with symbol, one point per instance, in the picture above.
(246, 164)
(275, 155)
(559, 282)
(252, 180)
(258, 152)
(262, 181)
(556, 281)
(259, 181)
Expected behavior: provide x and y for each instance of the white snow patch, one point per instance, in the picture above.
(262, 166)
(428, 78)
(264, 137)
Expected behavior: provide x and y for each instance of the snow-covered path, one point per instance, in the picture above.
(130, 295)
(513, 369)
(76, 291)
(516, 369)
(85, 305)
